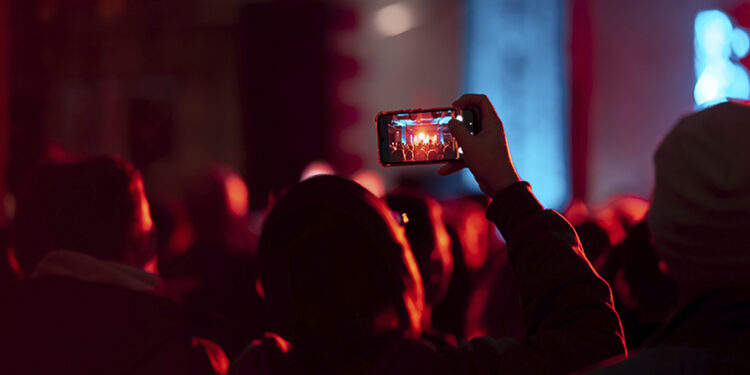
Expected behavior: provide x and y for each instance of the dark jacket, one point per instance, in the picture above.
(568, 310)
(709, 336)
(59, 325)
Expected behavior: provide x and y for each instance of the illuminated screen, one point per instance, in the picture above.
(420, 137)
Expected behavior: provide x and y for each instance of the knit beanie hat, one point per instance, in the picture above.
(700, 212)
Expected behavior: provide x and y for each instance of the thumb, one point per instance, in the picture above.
(459, 131)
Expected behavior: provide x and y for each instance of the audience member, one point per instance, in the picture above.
(699, 221)
(345, 290)
(491, 304)
(218, 271)
(449, 315)
(397, 154)
(421, 217)
(644, 296)
(87, 306)
(409, 153)
(494, 307)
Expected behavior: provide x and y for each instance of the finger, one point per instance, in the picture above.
(451, 167)
(479, 101)
(459, 131)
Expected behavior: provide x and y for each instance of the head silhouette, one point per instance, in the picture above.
(338, 274)
(700, 211)
(428, 239)
(216, 200)
(95, 206)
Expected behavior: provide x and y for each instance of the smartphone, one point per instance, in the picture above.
(421, 136)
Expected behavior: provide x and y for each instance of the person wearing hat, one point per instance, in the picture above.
(700, 223)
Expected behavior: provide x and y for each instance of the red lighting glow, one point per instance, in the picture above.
(414, 298)
(144, 212)
(386, 321)
(217, 357)
(316, 168)
(151, 266)
(236, 194)
(442, 251)
(259, 289)
(370, 181)
(181, 238)
(413, 294)
(282, 344)
(663, 267)
(474, 240)
(10, 253)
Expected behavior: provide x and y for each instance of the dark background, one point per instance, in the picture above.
(268, 86)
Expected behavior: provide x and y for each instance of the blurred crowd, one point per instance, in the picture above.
(430, 150)
(335, 278)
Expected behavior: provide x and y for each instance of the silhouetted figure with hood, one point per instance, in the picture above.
(344, 289)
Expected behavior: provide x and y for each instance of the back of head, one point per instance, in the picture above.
(473, 230)
(95, 206)
(337, 272)
(428, 239)
(215, 200)
(700, 214)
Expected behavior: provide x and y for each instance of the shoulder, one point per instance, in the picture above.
(667, 360)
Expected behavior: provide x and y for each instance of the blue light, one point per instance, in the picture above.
(436, 121)
(718, 75)
(740, 43)
(405, 122)
(514, 56)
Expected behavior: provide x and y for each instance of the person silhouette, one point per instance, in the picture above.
(88, 305)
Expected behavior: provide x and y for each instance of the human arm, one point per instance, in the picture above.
(568, 310)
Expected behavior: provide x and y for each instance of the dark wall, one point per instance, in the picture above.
(4, 56)
(154, 81)
(283, 75)
(643, 80)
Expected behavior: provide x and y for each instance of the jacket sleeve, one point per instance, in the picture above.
(568, 310)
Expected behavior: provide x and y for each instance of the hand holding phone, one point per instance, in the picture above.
(485, 152)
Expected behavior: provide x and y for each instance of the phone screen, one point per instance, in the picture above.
(419, 137)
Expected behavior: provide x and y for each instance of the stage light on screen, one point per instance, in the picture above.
(514, 55)
(718, 48)
(394, 19)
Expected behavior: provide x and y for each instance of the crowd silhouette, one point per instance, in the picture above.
(98, 280)
(428, 150)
